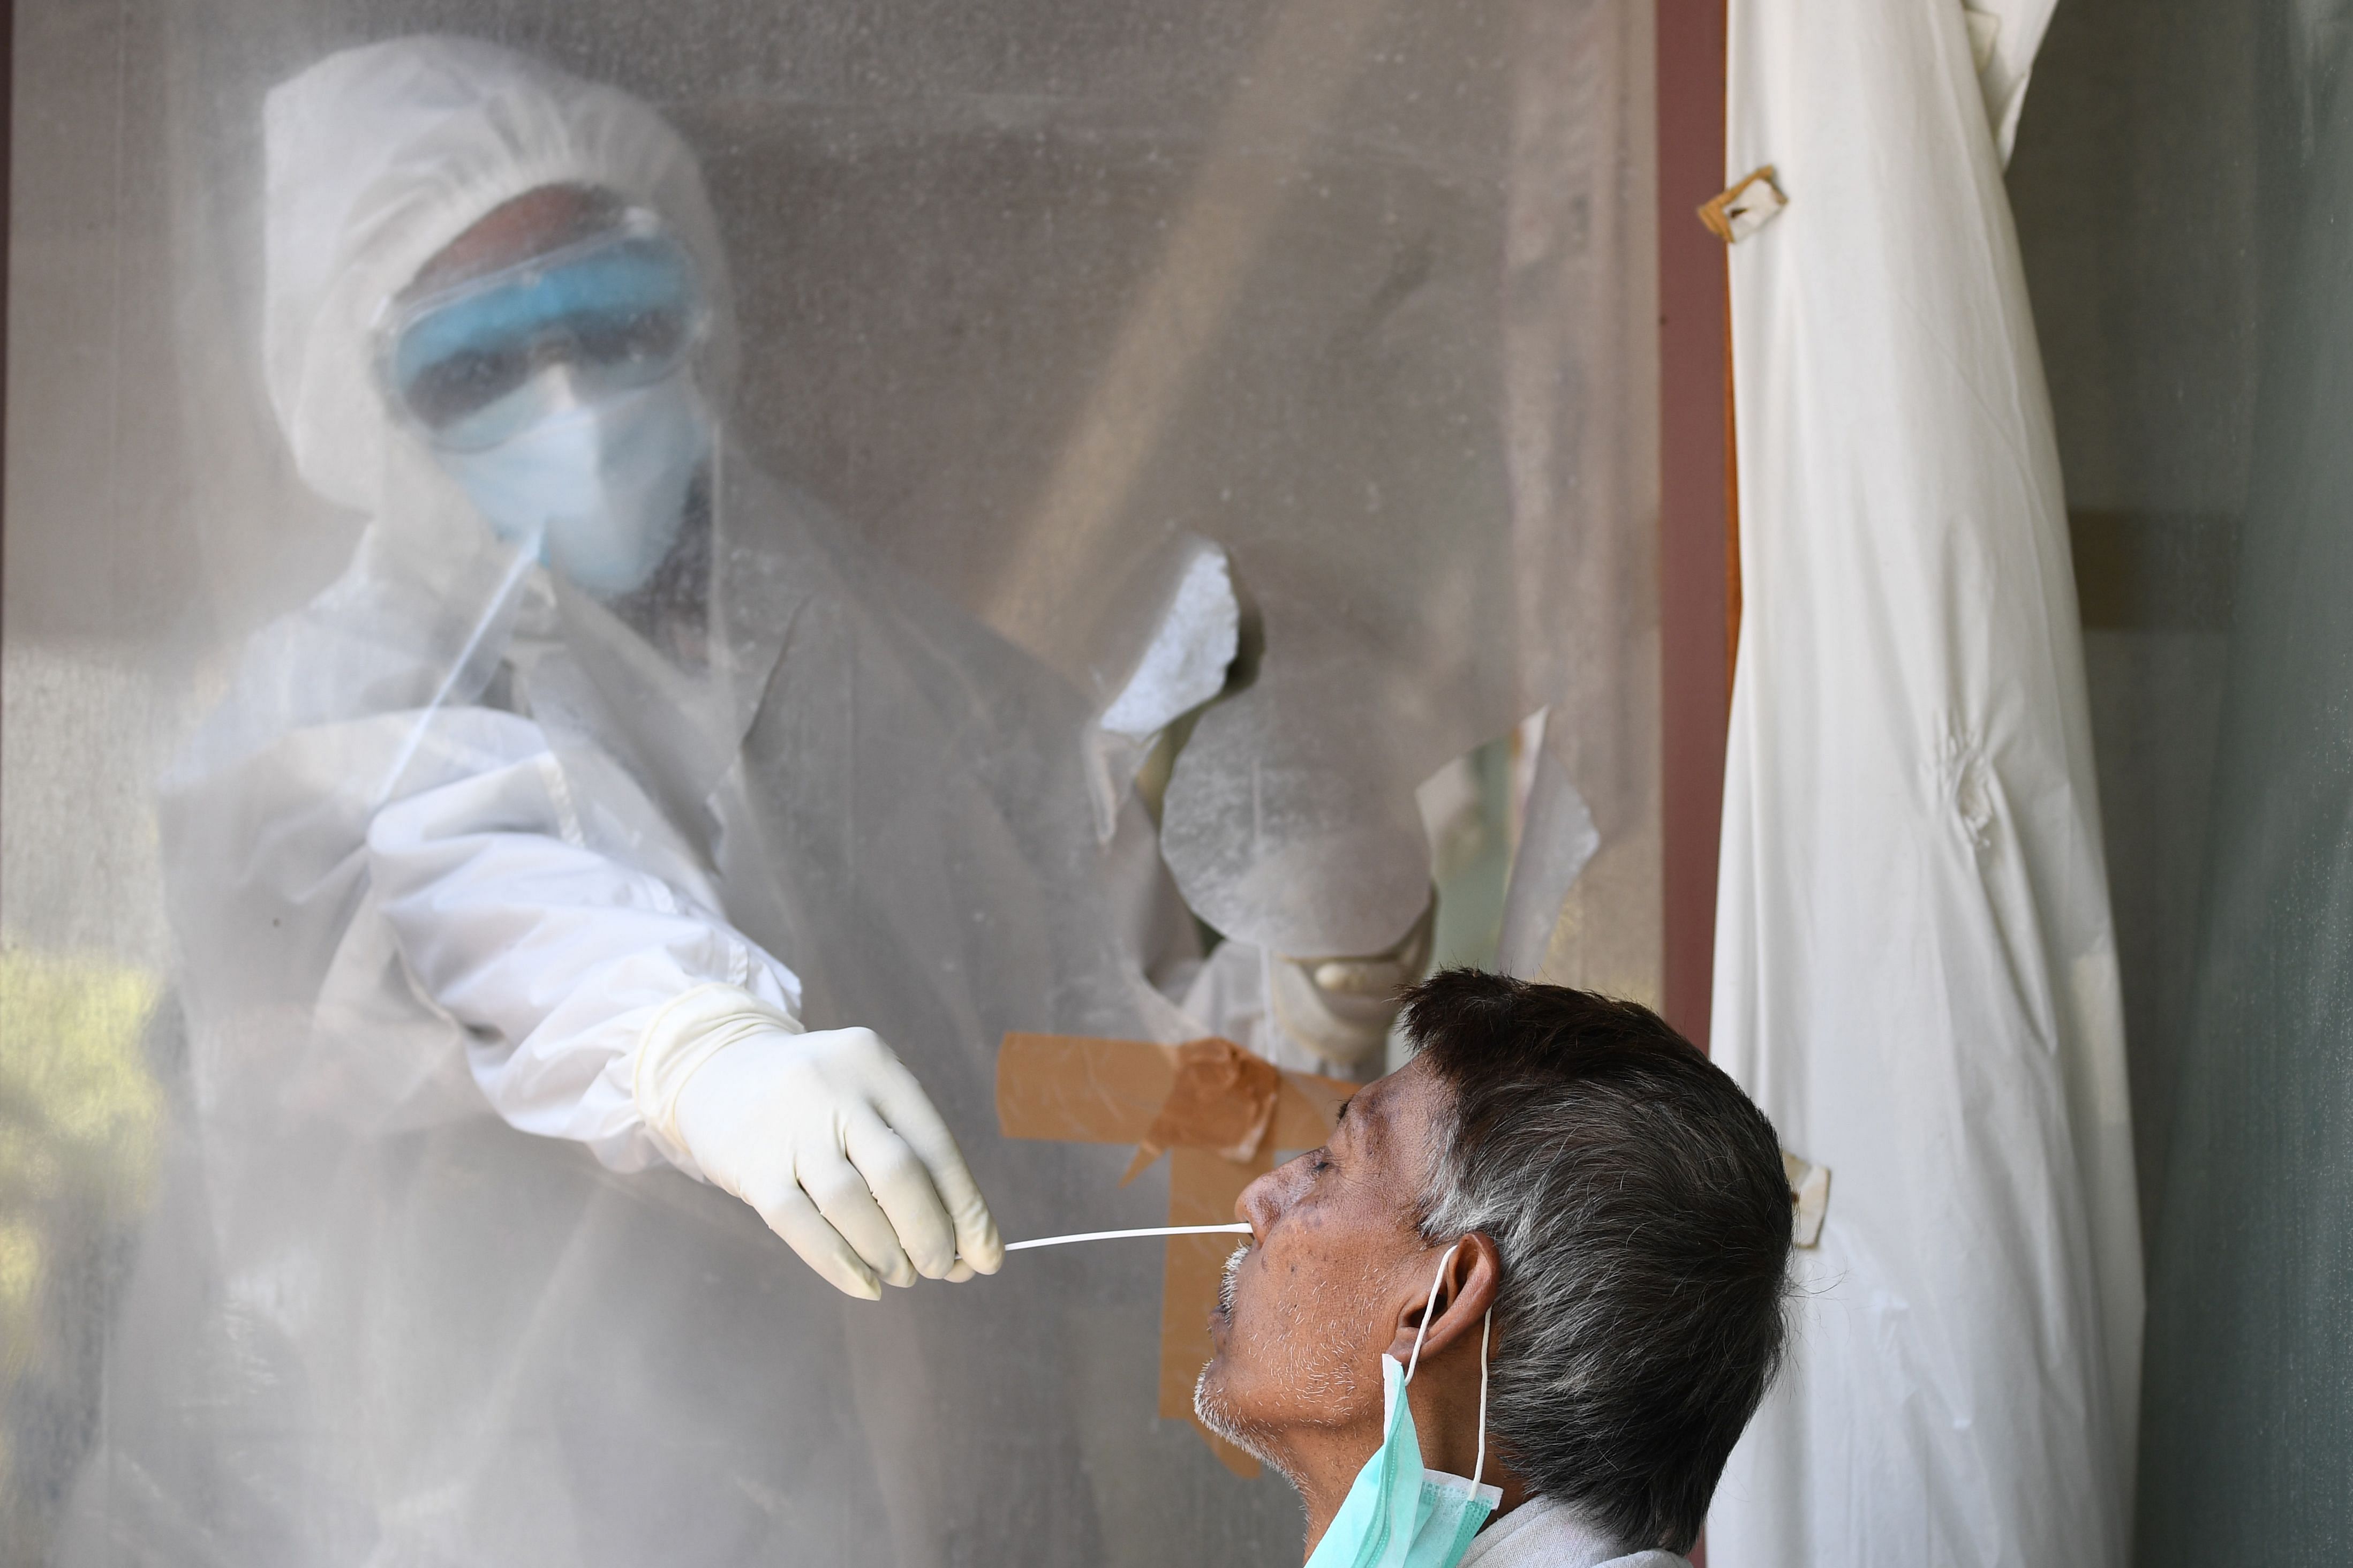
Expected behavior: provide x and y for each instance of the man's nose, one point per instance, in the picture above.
(1263, 1199)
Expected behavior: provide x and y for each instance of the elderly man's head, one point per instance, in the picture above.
(1620, 1206)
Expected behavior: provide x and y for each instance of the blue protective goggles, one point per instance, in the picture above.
(467, 365)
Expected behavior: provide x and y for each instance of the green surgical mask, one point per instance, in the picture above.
(1396, 1514)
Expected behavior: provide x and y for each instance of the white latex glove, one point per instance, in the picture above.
(827, 1135)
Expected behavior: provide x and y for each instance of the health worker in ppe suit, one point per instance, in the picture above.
(530, 812)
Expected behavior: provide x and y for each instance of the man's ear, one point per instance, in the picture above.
(1466, 1292)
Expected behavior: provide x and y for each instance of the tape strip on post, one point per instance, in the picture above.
(1733, 215)
(1809, 1199)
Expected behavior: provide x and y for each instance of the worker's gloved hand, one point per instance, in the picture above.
(828, 1135)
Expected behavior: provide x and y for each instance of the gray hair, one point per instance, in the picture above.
(1637, 1200)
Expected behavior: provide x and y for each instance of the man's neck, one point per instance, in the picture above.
(1445, 1419)
(1323, 1462)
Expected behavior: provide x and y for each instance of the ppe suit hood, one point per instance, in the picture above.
(377, 158)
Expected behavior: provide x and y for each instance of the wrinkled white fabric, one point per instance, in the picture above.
(2004, 37)
(1544, 1533)
(1916, 972)
(559, 954)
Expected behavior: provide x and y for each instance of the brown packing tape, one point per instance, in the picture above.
(1809, 1198)
(1076, 1089)
(1219, 1111)
(1223, 1099)
(1734, 214)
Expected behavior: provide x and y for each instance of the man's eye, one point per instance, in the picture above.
(1318, 1162)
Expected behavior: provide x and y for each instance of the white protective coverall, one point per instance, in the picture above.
(458, 833)
(1915, 970)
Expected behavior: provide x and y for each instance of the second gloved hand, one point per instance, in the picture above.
(827, 1135)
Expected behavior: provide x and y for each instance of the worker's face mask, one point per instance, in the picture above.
(1396, 1514)
(558, 392)
(603, 484)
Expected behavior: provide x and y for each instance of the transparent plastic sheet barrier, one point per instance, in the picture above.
(325, 801)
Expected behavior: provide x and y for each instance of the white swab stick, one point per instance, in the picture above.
(1236, 1229)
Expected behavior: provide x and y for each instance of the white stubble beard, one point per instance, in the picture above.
(1209, 1402)
(1316, 1378)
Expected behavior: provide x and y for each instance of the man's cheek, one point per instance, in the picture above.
(1291, 1314)
(1246, 1301)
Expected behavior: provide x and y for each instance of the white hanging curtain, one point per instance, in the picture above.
(1916, 972)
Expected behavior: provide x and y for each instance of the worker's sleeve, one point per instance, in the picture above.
(516, 915)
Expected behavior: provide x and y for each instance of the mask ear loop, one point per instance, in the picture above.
(1486, 1325)
(1418, 1334)
(1479, 1465)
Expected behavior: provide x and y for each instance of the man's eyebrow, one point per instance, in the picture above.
(1343, 1114)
